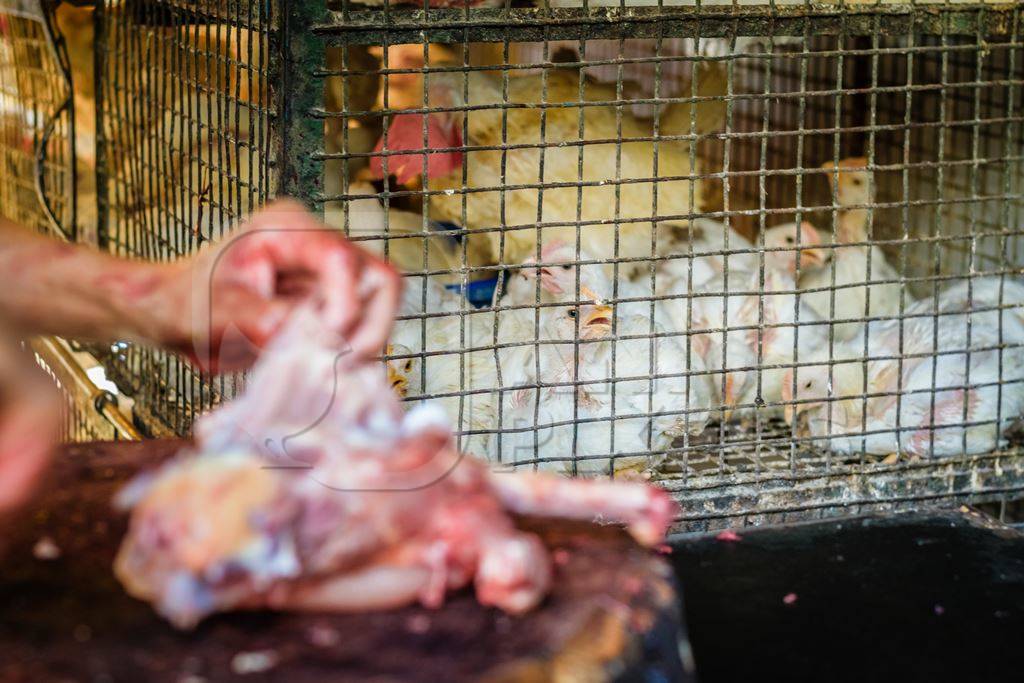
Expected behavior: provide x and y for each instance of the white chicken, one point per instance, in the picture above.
(944, 380)
(543, 162)
(600, 404)
(853, 266)
(750, 333)
(649, 68)
(720, 287)
(691, 257)
(450, 354)
(423, 357)
(694, 254)
(639, 73)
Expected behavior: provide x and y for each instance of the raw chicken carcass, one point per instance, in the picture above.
(313, 491)
(543, 162)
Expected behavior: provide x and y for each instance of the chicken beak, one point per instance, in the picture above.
(788, 413)
(398, 382)
(811, 258)
(597, 322)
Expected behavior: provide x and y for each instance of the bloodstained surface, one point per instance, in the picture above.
(925, 596)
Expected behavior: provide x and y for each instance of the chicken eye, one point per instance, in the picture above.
(572, 312)
(857, 181)
(408, 365)
(566, 266)
(808, 385)
(789, 240)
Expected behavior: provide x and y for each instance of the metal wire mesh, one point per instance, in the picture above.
(79, 419)
(617, 177)
(184, 151)
(36, 126)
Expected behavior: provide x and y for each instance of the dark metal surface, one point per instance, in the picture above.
(405, 24)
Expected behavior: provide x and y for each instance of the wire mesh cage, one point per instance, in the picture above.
(36, 121)
(768, 257)
(184, 151)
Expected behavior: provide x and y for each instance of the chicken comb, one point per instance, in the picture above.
(550, 248)
(406, 133)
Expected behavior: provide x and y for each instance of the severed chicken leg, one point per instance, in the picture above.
(314, 491)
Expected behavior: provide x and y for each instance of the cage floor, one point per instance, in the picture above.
(735, 448)
(744, 476)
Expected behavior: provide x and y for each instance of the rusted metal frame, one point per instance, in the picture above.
(536, 24)
(299, 93)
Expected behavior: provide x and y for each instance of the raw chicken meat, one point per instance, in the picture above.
(313, 490)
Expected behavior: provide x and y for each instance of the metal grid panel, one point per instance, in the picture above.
(36, 125)
(185, 149)
(80, 421)
(929, 97)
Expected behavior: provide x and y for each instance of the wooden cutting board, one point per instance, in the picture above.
(612, 614)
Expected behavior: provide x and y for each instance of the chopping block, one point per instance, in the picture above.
(613, 613)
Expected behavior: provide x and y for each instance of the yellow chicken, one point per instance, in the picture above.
(562, 159)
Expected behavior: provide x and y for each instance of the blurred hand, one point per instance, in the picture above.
(220, 307)
(29, 420)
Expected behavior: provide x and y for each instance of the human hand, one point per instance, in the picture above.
(221, 306)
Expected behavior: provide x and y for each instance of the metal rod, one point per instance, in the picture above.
(69, 373)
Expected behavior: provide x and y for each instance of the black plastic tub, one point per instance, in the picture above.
(925, 596)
